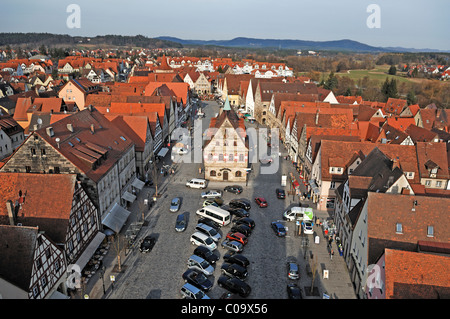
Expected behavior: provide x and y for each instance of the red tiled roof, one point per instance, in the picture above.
(412, 275)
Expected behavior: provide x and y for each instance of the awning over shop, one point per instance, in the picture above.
(163, 152)
(129, 197)
(138, 183)
(90, 250)
(116, 218)
(314, 188)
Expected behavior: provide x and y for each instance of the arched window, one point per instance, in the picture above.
(238, 174)
(212, 173)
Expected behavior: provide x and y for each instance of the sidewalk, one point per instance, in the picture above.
(94, 288)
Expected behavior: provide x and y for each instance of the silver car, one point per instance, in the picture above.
(232, 245)
(212, 194)
(196, 262)
(175, 204)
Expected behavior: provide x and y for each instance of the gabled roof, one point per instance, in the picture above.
(432, 152)
(385, 210)
(94, 146)
(43, 200)
(17, 250)
(414, 275)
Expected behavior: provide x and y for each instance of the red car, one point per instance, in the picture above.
(241, 238)
(261, 201)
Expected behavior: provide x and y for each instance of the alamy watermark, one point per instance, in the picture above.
(374, 19)
(74, 19)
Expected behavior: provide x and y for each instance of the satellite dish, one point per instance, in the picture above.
(39, 121)
(57, 140)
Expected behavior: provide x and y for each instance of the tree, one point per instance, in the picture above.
(392, 70)
(389, 89)
(332, 82)
(411, 97)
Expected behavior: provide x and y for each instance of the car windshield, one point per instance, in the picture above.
(208, 241)
(204, 264)
(201, 278)
(213, 232)
(199, 295)
(175, 202)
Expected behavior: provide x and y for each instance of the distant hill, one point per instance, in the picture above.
(337, 45)
(50, 39)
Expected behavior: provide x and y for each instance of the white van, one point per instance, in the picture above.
(196, 183)
(216, 214)
(298, 213)
(201, 239)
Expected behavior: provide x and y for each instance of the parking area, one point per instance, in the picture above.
(158, 274)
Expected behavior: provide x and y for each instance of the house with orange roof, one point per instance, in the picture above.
(76, 91)
(335, 160)
(138, 129)
(400, 274)
(58, 207)
(433, 164)
(405, 223)
(87, 144)
(395, 107)
(141, 109)
(225, 152)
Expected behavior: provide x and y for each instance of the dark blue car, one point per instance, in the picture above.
(279, 229)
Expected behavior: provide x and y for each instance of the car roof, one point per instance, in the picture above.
(191, 287)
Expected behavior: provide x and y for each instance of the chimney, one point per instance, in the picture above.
(11, 210)
(70, 127)
(92, 129)
(317, 116)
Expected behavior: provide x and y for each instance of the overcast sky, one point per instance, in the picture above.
(407, 23)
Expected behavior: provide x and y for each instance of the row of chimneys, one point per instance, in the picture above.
(50, 131)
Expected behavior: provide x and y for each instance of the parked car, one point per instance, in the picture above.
(261, 201)
(294, 291)
(234, 270)
(245, 221)
(234, 285)
(232, 257)
(189, 291)
(279, 229)
(242, 229)
(198, 279)
(280, 193)
(215, 202)
(175, 204)
(181, 222)
(308, 227)
(212, 194)
(241, 238)
(236, 189)
(293, 271)
(207, 254)
(232, 245)
(208, 230)
(182, 151)
(240, 203)
(147, 244)
(238, 212)
(266, 160)
(209, 222)
(201, 239)
(197, 262)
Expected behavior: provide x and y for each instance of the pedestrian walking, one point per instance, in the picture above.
(331, 254)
